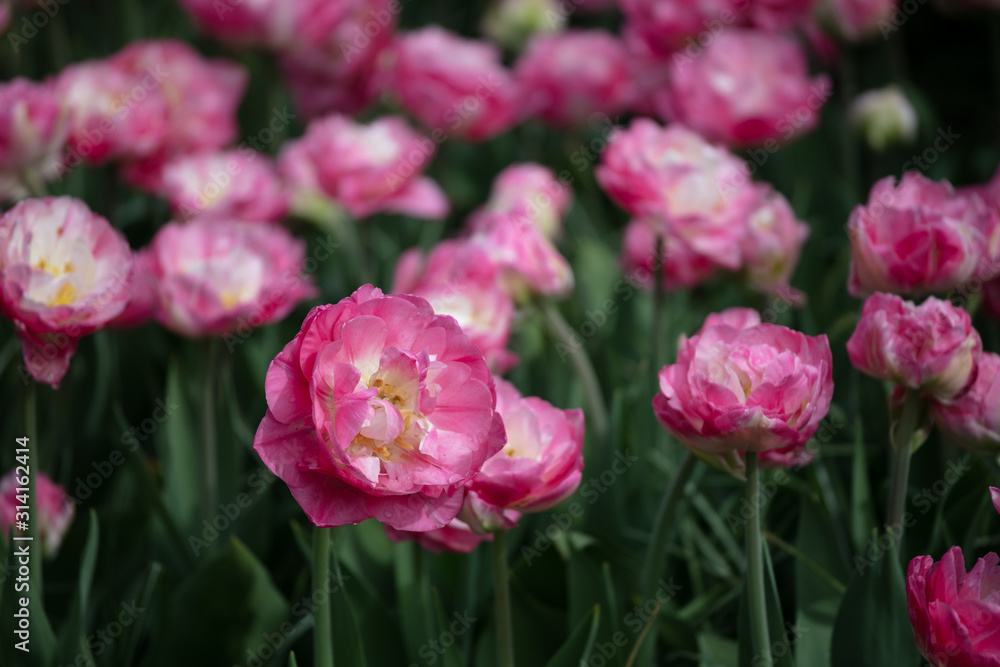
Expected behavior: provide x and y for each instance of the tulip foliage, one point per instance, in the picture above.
(548, 333)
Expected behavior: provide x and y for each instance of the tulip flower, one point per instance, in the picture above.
(54, 510)
(454, 86)
(379, 408)
(747, 88)
(65, 272)
(973, 421)
(214, 276)
(571, 77)
(919, 237)
(955, 614)
(32, 136)
(366, 169)
(456, 537)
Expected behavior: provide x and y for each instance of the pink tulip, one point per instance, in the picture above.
(276, 24)
(216, 276)
(459, 279)
(954, 614)
(379, 409)
(739, 385)
(530, 193)
(453, 85)
(700, 190)
(32, 134)
(65, 272)
(681, 266)
(931, 347)
(456, 537)
(568, 77)
(661, 27)
(857, 19)
(747, 88)
(542, 462)
(995, 496)
(112, 115)
(143, 300)
(973, 421)
(201, 95)
(341, 74)
(529, 262)
(919, 237)
(366, 169)
(772, 245)
(241, 184)
(780, 14)
(54, 511)
(151, 100)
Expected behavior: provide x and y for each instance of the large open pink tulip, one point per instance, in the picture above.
(379, 408)
(739, 385)
(64, 272)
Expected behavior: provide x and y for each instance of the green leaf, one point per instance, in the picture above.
(872, 627)
(348, 639)
(576, 650)
(717, 651)
(178, 449)
(72, 637)
(133, 633)
(223, 613)
(817, 600)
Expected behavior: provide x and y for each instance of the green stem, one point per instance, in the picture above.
(36, 186)
(755, 567)
(501, 591)
(901, 464)
(323, 631)
(663, 524)
(209, 454)
(658, 308)
(596, 410)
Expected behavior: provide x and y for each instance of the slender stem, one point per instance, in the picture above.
(323, 631)
(501, 592)
(663, 524)
(658, 308)
(209, 454)
(901, 464)
(755, 567)
(596, 410)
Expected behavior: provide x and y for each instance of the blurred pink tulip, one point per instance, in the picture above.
(215, 276)
(700, 190)
(661, 27)
(65, 272)
(32, 135)
(973, 421)
(773, 242)
(379, 409)
(366, 169)
(566, 78)
(739, 385)
(954, 614)
(542, 462)
(931, 347)
(454, 86)
(919, 237)
(459, 279)
(241, 184)
(747, 88)
(529, 193)
(276, 24)
(54, 510)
